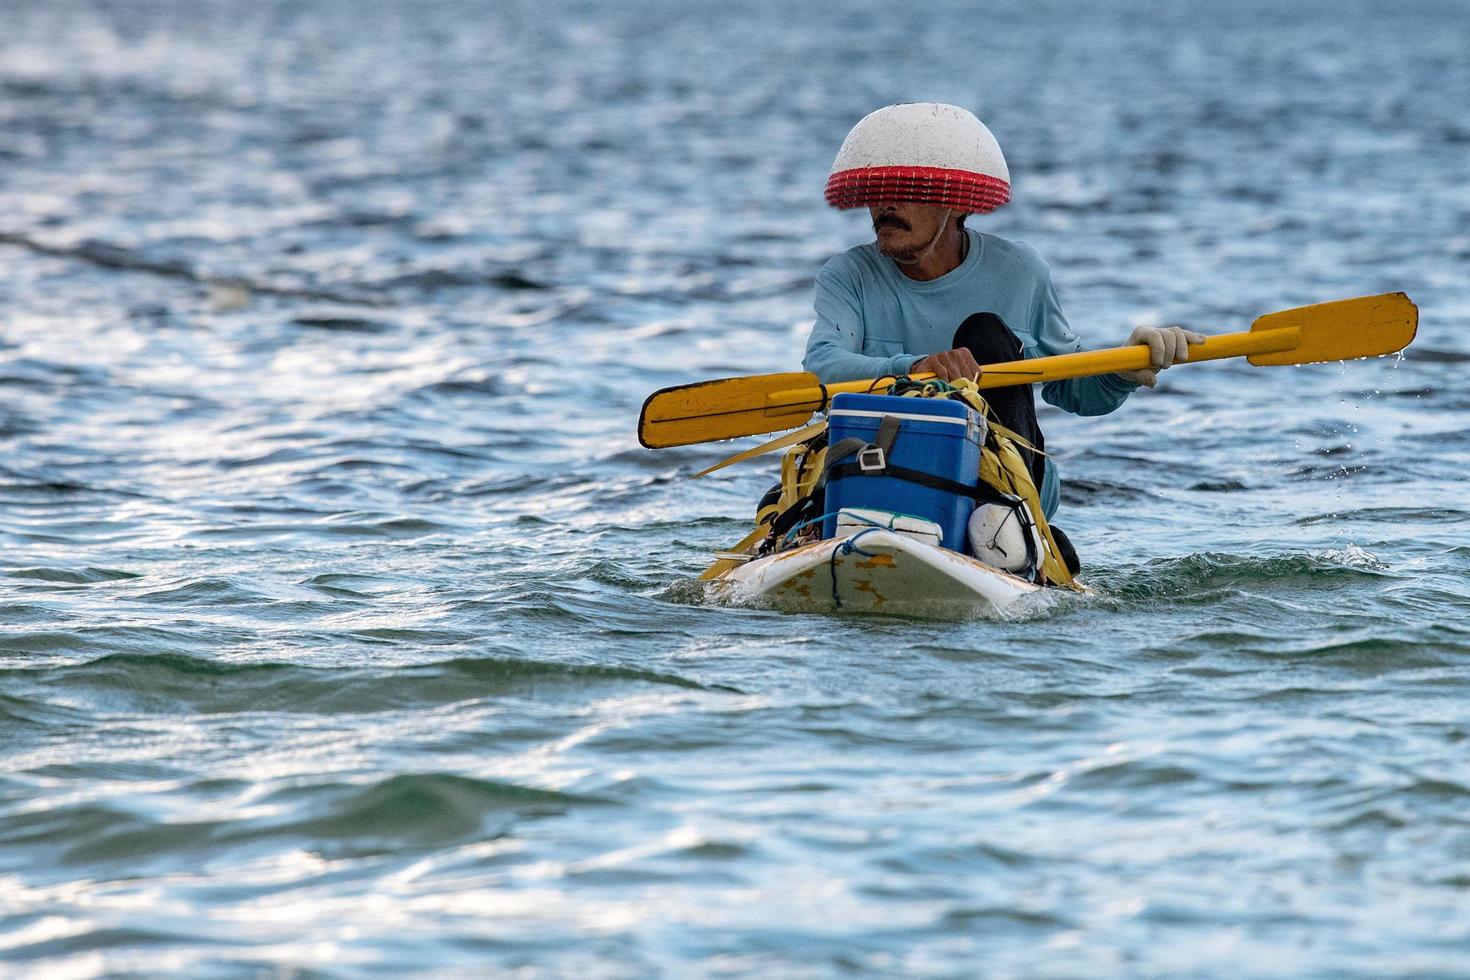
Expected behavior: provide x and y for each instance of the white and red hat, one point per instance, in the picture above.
(920, 153)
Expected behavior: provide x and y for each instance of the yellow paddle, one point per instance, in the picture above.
(731, 407)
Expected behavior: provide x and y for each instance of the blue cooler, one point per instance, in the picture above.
(938, 436)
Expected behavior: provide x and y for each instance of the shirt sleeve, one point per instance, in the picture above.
(1097, 395)
(834, 349)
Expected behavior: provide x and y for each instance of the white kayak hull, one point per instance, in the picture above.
(874, 570)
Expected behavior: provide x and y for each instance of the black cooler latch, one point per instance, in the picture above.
(872, 457)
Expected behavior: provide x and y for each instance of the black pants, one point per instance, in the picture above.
(991, 342)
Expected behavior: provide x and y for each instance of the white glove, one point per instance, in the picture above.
(1166, 346)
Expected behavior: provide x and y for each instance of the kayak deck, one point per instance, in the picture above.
(874, 570)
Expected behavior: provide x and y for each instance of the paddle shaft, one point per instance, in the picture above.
(1062, 366)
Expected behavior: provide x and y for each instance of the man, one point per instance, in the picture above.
(930, 295)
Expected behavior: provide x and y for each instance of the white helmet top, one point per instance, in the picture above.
(920, 153)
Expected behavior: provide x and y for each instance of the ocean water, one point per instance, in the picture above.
(346, 630)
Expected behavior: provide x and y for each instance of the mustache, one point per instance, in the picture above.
(891, 219)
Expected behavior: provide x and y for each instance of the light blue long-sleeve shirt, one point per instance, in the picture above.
(872, 320)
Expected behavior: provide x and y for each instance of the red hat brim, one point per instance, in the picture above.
(962, 190)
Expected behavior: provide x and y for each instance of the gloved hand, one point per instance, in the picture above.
(1166, 346)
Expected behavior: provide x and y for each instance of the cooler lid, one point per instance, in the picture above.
(919, 409)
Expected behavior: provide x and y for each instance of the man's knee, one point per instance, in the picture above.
(988, 338)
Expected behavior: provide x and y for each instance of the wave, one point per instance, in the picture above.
(337, 819)
(434, 280)
(423, 809)
(107, 255)
(340, 323)
(122, 639)
(1210, 571)
(1387, 515)
(179, 684)
(72, 576)
(28, 712)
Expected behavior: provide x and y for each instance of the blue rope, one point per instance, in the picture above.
(846, 548)
(822, 517)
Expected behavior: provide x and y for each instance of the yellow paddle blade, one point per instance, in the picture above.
(723, 409)
(1364, 327)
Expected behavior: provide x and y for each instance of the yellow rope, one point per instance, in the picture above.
(780, 442)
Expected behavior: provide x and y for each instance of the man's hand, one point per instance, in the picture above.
(949, 365)
(1166, 346)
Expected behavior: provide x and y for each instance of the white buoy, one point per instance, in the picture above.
(998, 537)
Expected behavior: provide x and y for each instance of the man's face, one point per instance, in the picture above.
(905, 230)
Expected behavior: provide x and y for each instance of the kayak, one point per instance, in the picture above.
(873, 570)
(876, 568)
